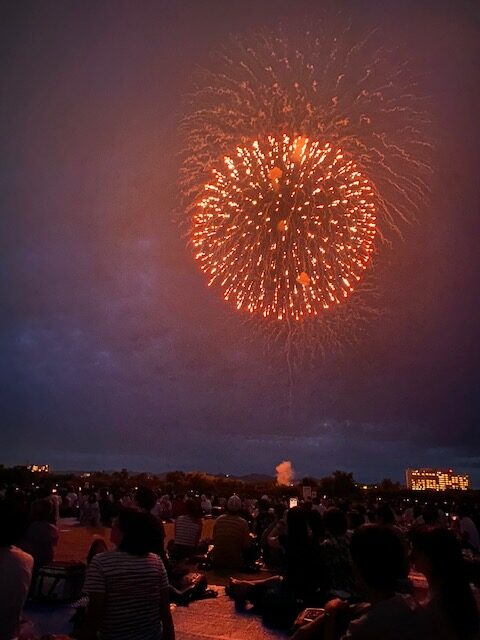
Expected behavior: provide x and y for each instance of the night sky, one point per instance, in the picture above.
(113, 351)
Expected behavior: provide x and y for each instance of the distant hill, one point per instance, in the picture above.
(256, 477)
(251, 477)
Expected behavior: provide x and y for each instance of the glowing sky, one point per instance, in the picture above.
(114, 353)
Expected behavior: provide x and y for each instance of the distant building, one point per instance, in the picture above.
(39, 468)
(436, 480)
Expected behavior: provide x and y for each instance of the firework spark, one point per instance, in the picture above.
(286, 230)
(301, 163)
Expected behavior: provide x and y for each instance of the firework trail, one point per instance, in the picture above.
(301, 164)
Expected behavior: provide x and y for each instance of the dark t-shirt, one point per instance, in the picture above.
(263, 520)
(398, 618)
(40, 541)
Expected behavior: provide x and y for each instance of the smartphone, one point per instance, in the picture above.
(309, 615)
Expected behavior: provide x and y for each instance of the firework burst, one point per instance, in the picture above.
(286, 230)
(301, 163)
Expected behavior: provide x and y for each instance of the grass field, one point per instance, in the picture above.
(75, 541)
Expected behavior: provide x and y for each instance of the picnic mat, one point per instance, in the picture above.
(209, 619)
(217, 619)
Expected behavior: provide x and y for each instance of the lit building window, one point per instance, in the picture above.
(436, 480)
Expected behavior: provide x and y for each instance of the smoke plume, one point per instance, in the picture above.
(285, 472)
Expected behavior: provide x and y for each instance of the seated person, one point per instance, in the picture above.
(145, 500)
(128, 588)
(280, 598)
(451, 607)
(431, 515)
(41, 536)
(335, 553)
(98, 546)
(188, 529)
(355, 519)
(263, 519)
(231, 538)
(303, 570)
(16, 569)
(206, 505)
(379, 558)
(468, 530)
(272, 550)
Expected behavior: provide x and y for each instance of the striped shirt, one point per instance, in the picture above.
(187, 531)
(134, 587)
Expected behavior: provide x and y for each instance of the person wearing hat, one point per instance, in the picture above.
(231, 538)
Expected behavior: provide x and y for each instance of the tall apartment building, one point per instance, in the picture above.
(436, 480)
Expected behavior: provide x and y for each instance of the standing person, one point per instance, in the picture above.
(178, 506)
(231, 538)
(206, 505)
(56, 502)
(105, 506)
(16, 569)
(317, 505)
(90, 515)
(82, 502)
(72, 500)
(165, 507)
(451, 607)
(128, 588)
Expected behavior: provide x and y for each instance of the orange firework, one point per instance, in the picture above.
(305, 154)
(285, 228)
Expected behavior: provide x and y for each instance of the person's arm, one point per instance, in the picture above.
(272, 537)
(333, 609)
(199, 533)
(464, 531)
(93, 617)
(166, 617)
(246, 536)
(311, 630)
(168, 631)
(95, 588)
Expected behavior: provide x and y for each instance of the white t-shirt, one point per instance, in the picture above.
(157, 510)
(16, 568)
(56, 500)
(134, 588)
(467, 526)
(206, 506)
(72, 499)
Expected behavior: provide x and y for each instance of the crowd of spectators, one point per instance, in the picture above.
(354, 563)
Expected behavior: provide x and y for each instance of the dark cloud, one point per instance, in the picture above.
(113, 351)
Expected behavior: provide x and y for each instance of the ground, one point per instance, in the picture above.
(75, 541)
(214, 619)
